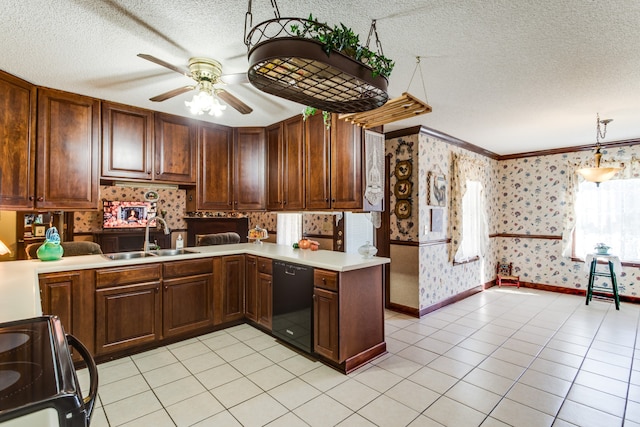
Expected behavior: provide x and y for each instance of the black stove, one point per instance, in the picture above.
(37, 375)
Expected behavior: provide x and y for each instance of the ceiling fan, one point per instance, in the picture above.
(207, 74)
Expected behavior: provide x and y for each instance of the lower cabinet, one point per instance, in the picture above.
(128, 307)
(229, 289)
(265, 292)
(69, 295)
(187, 296)
(251, 288)
(325, 315)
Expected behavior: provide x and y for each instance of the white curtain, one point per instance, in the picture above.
(474, 223)
(289, 228)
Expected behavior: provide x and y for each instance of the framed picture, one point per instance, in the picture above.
(39, 230)
(437, 189)
(436, 220)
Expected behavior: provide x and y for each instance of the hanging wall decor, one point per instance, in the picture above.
(436, 189)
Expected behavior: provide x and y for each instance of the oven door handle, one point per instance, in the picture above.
(90, 400)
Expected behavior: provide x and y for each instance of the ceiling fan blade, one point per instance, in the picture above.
(233, 101)
(171, 93)
(172, 67)
(232, 79)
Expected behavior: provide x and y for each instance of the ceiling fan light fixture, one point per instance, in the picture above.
(205, 102)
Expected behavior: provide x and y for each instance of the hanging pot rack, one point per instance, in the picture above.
(285, 64)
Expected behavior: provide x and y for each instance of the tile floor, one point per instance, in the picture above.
(504, 357)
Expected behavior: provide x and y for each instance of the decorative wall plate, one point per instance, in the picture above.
(403, 209)
(402, 189)
(403, 169)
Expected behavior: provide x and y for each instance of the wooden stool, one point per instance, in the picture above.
(593, 272)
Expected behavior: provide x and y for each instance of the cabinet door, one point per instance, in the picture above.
(127, 142)
(265, 298)
(317, 167)
(325, 324)
(215, 169)
(127, 316)
(251, 288)
(293, 164)
(186, 304)
(274, 167)
(67, 151)
(232, 288)
(17, 142)
(249, 170)
(175, 149)
(346, 165)
(69, 295)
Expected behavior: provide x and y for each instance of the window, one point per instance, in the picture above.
(609, 214)
(289, 228)
(474, 223)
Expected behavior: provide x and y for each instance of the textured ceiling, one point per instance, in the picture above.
(508, 76)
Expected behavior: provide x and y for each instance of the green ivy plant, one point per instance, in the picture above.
(310, 111)
(343, 39)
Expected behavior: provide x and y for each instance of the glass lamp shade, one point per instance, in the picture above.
(598, 175)
(204, 102)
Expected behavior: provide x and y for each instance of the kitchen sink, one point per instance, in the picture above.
(169, 252)
(128, 255)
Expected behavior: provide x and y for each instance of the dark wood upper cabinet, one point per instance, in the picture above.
(17, 142)
(249, 171)
(285, 165)
(274, 167)
(346, 165)
(318, 166)
(127, 142)
(215, 167)
(67, 151)
(175, 149)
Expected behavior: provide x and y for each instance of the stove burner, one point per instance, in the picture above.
(11, 340)
(15, 379)
(8, 378)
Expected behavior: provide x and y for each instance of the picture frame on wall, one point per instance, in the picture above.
(437, 189)
(39, 230)
(437, 219)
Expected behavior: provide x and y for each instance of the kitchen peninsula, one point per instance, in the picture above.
(119, 307)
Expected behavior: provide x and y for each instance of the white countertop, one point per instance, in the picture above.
(20, 293)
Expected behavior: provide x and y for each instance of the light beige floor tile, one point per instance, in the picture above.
(448, 337)
(122, 389)
(166, 374)
(632, 412)
(433, 380)
(271, 377)
(353, 394)
(545, 382)
(568, 347)
(517, 414)
(195, 409)
(434, 345)
(203, 362)
(399, 365)
(561, 357)
(288, 420)
(492, 422)
(356, 420)
(473, 396)
(99, 419)
(500, 367)
(219, 341)
(235, 392)
(418, 355)
(215, 377)
(464, 355)
(406, 336)
(261, 342)
(597, 399)
(423, 421)
(419, 328)
(535, 398)
(478, 346)
(156, 419)
(129, 409)
(188, 351)
(244, 332)
(323, 378)
(278, 353)
(395, 346)
(179, 390)
(384, 411)
(513, 356)
(111, 373)
(378, 379)
(258, 411)
(450, 413)
(555, 369)
(294, 393)
(251, 363)
(412, 395)
(182, 343)
(602, 383)
(222, 419)
(451, 367)
(608, 370)
(234, 352)
(489, 381)
(322, 411)
(614, 359)
(585, 416)
(298, 365)
(155, 360)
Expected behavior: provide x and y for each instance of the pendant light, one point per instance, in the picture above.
(597, 174)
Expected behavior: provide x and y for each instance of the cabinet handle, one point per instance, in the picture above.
(31, 198)
(41, 199)
(230, 203)
(157, 172)
(285, 202)
(324, 280)
(326, 200)
(333, 200)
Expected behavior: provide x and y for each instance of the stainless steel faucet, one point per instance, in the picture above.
(146, 231)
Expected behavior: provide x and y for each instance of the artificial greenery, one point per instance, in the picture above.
(310, 111)
(343, 39)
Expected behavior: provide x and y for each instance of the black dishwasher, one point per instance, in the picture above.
(293, 304)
